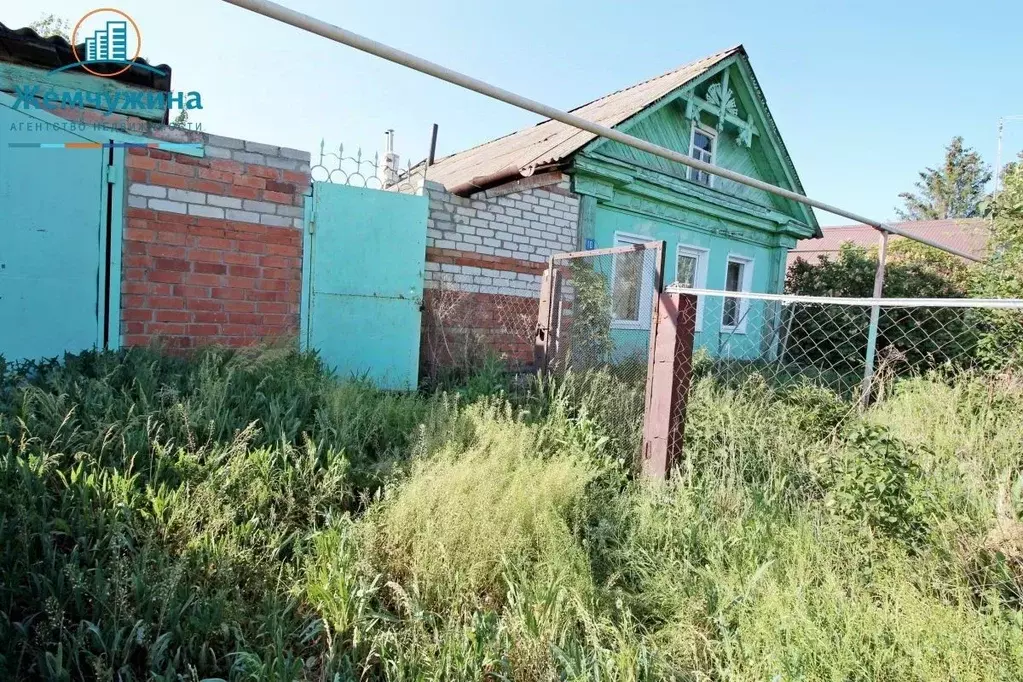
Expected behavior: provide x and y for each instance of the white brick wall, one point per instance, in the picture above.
(529, 225)
(481, 280)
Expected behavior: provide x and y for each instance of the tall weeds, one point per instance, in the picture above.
(246, 516)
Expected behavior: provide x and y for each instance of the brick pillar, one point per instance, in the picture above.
(668, 393)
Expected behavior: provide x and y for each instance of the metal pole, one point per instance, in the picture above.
(433, 146)
(998, 153)
(391, 54)
(875, 316)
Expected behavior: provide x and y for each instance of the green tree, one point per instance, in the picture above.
(49, 25)
(836, 336)
(955, 190)
(1001, 276)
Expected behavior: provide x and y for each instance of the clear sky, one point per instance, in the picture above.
(865, 93)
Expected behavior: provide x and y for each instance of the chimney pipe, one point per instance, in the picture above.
(388, 171)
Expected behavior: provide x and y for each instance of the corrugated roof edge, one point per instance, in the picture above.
(63, 55)
(715, 56)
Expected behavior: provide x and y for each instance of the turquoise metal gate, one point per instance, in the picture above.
(365, 251)
(55, 255)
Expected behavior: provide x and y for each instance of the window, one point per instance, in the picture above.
(701, 148)
(632, 284)
(691, 272)
(738, 277)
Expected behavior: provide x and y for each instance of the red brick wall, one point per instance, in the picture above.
(190, 280)
(460, 328)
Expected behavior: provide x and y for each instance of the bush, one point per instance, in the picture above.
(836, 337)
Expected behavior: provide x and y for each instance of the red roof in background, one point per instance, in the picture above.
(967, 234)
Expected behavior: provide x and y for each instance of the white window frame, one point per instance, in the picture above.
(745, 287)
(713, 135)
(702, 257)
(646, 291)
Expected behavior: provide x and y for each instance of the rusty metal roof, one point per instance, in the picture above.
(550, 142)
(967, 234)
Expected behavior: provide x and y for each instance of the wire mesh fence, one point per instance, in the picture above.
(463, 329)
(850, 345)
(601, 307)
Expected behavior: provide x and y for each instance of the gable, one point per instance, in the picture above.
(727, 101)
(552, 143)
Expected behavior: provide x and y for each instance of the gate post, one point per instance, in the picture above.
(664, 416)
(544, 317)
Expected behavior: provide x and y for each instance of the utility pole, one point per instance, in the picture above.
(998, 153)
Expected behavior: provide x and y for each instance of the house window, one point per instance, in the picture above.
(691, 272)
(632, 284)
(738, 277)
(701, 148)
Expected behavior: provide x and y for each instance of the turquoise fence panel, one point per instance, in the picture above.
(52, 255)
(364, 261)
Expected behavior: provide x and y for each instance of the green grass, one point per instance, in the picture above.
(245, 516)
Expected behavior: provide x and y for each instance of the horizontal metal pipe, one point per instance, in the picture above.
(609, 251)
(988, 303)
(391, 54)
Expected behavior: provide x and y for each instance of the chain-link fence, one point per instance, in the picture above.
(850, 345)
(601, 305)
(463, 329)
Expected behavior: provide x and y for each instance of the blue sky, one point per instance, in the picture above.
(865, 94)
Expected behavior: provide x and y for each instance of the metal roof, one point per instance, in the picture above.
(966, 234)
(25, 46)
(550, 142)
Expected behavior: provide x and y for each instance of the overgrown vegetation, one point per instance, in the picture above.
(244, 516)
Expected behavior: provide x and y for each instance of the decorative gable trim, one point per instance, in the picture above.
(721, 102)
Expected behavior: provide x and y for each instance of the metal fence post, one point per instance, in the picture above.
(670, 376)
(875, 317)
(548, 299)
(658, 287)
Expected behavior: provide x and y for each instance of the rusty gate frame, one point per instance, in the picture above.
(669, 361)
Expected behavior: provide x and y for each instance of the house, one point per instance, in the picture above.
(499, 210)
(187, 238)
(969, 234)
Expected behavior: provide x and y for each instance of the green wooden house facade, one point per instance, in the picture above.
(719, 234)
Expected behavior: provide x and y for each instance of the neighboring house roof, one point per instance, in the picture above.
(25, 46)
(549, 142)
(966, 234)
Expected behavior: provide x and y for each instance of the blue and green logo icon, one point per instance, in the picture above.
(112, 43)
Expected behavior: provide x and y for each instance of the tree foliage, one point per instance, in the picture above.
(836, 336)
(49, 25)
(954, 190)
(1002, 275)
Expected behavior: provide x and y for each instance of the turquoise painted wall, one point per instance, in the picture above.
(720, 342)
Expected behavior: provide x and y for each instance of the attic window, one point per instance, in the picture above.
(701, 148)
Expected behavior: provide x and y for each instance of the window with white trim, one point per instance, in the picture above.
(632, 284)
(701, 148)
(691, 272)
(738, 277)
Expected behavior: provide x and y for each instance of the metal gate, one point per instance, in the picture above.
(56, 197)
(365, 251)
